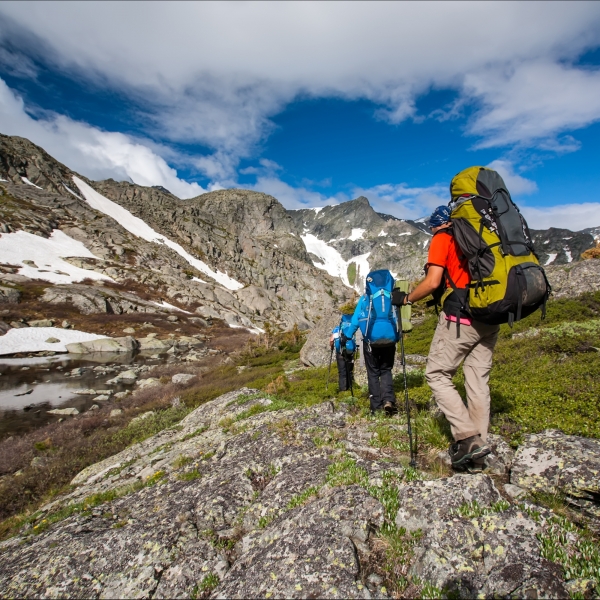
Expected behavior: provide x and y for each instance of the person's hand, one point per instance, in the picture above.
(399, 298)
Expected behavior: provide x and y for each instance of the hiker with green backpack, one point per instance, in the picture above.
(483, 271)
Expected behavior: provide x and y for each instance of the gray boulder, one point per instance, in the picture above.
(122, 344)
(182, 378)
(552, 462)
(63, 411)
(9, 295)
(41, 323)
(316, 351)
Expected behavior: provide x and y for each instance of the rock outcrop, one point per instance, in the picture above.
(555, 463)
(574, 279)
(241, 501)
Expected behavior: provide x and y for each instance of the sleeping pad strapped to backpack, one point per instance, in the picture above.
(507, 281)
(378, 320)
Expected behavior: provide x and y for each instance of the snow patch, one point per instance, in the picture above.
(30, 183)
(362, 270)
(569, 255)
(198, 280)
(550, 258)
(139, 228)
(332, 260)
(72, 192)
(391, 244)
(164, 304)
(425, 242)
(406, 233)
(33, 339)
(317, 209)
(356, 234)
(5, 180)
(382, 233)
(17, 247)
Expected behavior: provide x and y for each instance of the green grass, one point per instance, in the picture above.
(352, 273)
(547, 381)
(575, 550)
(302, 498)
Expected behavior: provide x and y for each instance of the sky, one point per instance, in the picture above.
(313, 102)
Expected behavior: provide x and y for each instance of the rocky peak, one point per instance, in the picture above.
(20, 158)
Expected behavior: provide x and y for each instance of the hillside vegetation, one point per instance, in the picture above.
(546, 373)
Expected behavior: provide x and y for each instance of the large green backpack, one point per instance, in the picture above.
(507, 281)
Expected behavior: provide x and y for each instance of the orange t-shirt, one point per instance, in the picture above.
(444, 252)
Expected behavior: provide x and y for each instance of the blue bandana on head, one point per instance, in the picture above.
(439, 216)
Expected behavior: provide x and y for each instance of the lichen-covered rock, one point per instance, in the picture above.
(241, 500)
(471, 544)
(311, 553)
(552, 461)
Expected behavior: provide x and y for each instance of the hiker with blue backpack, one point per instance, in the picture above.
(378, 322)
(344, 354)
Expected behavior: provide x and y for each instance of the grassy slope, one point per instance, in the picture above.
(547, 380)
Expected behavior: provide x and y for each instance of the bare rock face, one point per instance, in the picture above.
(575, 279)
(316, 351)
(553, 462)
(255, 506)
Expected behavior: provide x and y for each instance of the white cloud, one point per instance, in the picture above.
(292, 197)
(564, 216)
(214, 73)
(402, 201)
(517, 185)
(532, 102)
(94, 153)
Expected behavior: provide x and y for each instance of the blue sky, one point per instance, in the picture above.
(315, 103)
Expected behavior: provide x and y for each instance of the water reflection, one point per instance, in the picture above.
(29, 387)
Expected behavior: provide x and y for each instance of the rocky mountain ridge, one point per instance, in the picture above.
(271, 265)
(350, 239)
(245, 236)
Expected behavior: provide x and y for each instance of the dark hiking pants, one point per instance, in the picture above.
(345, 371)
(379, 362)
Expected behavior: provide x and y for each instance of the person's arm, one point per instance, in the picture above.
(350, 329)
(428, 285)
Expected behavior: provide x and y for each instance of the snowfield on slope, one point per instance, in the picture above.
(139, 228)
(46, 254)
(334, 264)
(33, 339)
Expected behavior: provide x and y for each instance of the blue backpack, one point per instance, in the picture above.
(350, 343)
(378, 320)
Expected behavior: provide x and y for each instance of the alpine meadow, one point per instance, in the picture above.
(299, 300)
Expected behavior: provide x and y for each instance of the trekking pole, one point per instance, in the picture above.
(413, 461)
(349, 376)
(329, 371)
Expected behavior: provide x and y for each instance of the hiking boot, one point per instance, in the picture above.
(469, 449)
(488, 464)
(390, 408)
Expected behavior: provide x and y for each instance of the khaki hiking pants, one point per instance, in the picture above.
(475, 346)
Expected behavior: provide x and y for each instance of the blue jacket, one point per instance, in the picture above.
(350, 329)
